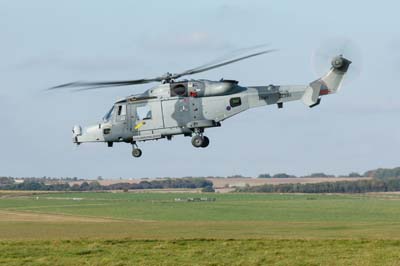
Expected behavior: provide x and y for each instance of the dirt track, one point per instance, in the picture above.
(16, 216)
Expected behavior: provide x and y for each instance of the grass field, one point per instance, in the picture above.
(236, 229)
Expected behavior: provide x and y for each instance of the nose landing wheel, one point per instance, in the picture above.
(136, 152)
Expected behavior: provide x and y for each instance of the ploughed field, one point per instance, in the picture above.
(235, 229)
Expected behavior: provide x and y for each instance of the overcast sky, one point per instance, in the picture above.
(45, 43)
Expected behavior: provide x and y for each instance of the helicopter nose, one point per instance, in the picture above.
(88, 134)
(76, 132)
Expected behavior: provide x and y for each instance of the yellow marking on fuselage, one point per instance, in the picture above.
(139, 125)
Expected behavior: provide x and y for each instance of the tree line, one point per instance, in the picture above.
(40, 185)
(382, 180)
(359, 186)
(381, 173)
(313, 175)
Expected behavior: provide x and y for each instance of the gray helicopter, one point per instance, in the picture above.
(188, 107)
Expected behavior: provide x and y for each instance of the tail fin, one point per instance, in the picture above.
(328, 84)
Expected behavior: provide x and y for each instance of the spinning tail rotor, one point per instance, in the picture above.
(337, 49)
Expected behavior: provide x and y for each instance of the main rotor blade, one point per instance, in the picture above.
(231, 55)
(222, 61)
(97, 85)
(206, 68)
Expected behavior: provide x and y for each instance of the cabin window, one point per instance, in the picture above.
(143, 112)
(235, 102)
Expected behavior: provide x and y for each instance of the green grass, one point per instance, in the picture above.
(201, 252)
(236, 229)
(230, 207)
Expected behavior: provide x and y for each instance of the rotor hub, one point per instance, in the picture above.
(340, 63)
(337, 62)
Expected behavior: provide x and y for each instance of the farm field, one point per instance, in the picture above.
(154, 229)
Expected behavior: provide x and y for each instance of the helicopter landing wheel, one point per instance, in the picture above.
(136, 152)
(206, 142)
(197, 141)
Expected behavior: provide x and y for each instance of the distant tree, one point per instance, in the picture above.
(58, 187)
(359, 186)
(84, 186)
(99, 178)
(6, 181)
(94, 185)
(383, 173)
(235, 176)
(321, 175)
(354, 174)
(208, 189)
(75, 187)
(264, 176)
(282, 175)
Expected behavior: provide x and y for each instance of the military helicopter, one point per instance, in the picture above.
(188, 107)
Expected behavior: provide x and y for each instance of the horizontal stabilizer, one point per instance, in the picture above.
(311, 95)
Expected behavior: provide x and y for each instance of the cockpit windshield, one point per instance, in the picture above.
(107, 117)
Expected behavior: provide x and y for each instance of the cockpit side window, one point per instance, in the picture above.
(122, 110)
(108, 115)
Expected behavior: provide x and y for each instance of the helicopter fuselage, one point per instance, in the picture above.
(181, 108)
(189, 107)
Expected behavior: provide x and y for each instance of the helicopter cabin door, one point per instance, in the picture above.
(146, 117)
(120, 124)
